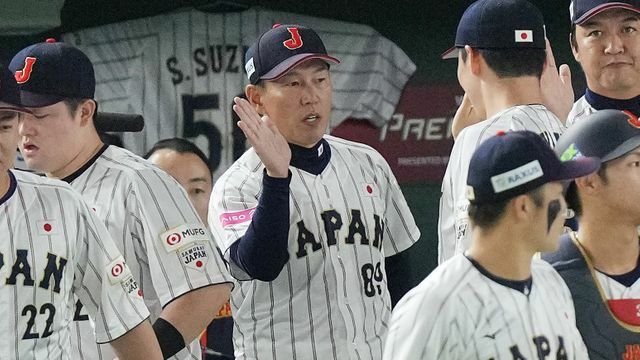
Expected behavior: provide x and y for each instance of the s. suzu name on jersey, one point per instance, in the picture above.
(54, 269)
(333, 223)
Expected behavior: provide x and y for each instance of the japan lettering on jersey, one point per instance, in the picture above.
(54, 247)
(180, 71)
(454, 229)
(330, 301)
(458, 313)
(158, 231)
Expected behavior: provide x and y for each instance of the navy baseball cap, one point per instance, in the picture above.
(280, 49)
(605, 134)
(499, 24)
(582, 10)
(514, 163)
(9, 92)
(51, 71)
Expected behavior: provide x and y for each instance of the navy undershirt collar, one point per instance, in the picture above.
(312, 160)
(600, 102)
(84, 167)
(524, 286)
(629, 278)
(12, 188)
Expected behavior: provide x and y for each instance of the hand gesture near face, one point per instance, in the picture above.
(557, 90)
(263, 135)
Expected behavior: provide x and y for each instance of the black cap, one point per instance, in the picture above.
(514, 163)
(582, 10)
(280, 49)
(9, 92)
(605, 134)
(499, 24)
(50, 71)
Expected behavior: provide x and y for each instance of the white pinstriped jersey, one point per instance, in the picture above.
(330, 301)
(158, 231)
(53, 247)
(454, 229)
(579, 111)
(458, 313)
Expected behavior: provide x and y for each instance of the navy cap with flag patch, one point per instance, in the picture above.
(499, 24)
(516, 162)
(282, 48)
(582, 10)
(605, 134)
(51, 71)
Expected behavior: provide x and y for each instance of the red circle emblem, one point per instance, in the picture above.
(117, 269)
(173, 239)
(139, 292)
(369, 189)
(47, 227)
(199, 263)
(523, 36)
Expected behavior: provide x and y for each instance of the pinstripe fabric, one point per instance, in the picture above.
(580, 110)
(614, 290)
(53, 246)
(458, 313)
(328, 302)
(138, 203)
(454, 230)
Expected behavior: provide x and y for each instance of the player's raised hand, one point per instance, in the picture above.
(466, 115)
(263, 135)
(557, 90)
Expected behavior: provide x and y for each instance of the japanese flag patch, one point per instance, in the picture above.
(524, 36)
(183, 235)
(48, 227)
(194, 257)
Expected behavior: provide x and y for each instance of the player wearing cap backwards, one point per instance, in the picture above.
(500, 46)
(605, 40)
(599, 262)
(496, 301)
(53, 247)
(183, 279)
(305, 219)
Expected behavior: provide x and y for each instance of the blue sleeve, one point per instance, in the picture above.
(263, 250)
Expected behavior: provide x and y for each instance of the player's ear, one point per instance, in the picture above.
(86, 110)
(254, 96)
(589, 184)
(574, 47)
(473, 59)
(522, 207)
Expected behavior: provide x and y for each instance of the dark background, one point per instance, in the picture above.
(423, 29)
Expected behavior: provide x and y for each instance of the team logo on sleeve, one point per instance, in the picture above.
(48, 227)
(194, 257)
(183, 235)
(117, 270)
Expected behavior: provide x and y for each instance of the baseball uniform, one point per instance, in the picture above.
(461, 311)
(156, 228)
(606, 306)
(591, 102)
(454, 232)
(330, 301)
(54, 247)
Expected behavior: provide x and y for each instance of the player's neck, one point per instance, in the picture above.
(89, 149)
(619, 94)
(500, 94)
(613, 248)
(5, 182)
(499, 254)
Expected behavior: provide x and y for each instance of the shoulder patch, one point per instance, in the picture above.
(180, 236)
(117, 271)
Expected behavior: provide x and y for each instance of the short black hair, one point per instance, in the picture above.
(181, 146)
(511, 63)
(573, 198)
(487, 215)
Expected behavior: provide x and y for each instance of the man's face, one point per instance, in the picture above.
(8, 139)
(191, 172)
(550, 217)
(622, 176)
(49, 139)
(607, 46)
(299, 103)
